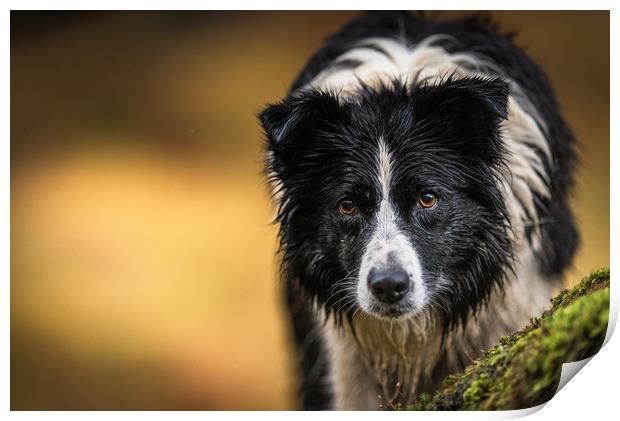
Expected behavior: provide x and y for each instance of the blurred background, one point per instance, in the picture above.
(142, 259)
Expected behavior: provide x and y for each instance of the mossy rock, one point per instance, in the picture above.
(524, 369)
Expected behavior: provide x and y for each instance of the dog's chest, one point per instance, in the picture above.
(382, 366)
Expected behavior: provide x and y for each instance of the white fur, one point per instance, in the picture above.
(388, 240)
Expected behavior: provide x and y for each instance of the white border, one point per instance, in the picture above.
(591, 396)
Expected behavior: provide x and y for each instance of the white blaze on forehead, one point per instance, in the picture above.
(385, 168)
(388, 245)
(386, 219)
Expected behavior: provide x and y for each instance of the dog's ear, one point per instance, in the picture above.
(465, 113)
(298, 116)
(296, 126)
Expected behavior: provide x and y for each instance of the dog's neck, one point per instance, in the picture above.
(394, 360)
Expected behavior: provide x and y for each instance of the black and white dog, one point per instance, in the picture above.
(421, 169)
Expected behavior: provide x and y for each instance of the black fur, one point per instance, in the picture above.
(444, 138)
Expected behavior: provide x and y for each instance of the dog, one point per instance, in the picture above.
(421, 171)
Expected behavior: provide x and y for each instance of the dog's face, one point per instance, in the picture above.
(390, 201)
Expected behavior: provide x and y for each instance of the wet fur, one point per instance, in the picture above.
(462, 111)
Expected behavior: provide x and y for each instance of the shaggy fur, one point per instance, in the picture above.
(393, 108)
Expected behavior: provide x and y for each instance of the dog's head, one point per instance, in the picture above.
(390, 200)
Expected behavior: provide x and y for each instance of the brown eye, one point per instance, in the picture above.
(427, 200)
(347, 207)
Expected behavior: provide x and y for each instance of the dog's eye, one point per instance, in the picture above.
(428, 200)
(346, 207)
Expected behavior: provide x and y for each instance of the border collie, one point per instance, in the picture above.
(420, 169)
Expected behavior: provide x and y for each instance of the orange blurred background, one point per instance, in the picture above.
(142, 259)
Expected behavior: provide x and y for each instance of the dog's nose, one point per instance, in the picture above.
(388, 285)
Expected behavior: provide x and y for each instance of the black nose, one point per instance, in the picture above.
(388, 285)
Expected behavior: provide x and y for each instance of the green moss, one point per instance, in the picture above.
(524, 369)
(596, 280)
(423, 401)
